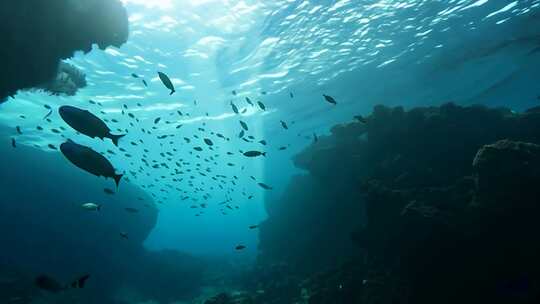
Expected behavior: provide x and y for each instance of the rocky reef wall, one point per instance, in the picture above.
(35, 35)
(440, 202)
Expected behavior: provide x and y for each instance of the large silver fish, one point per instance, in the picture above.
(87, 123)
(89, 160)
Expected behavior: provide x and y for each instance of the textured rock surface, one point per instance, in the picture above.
(445, 201)
(35, 35)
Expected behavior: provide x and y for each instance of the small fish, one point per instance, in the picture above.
(131, 210)
(282, 148)
(108, 191)
(124, 235)
(254, 153)
(208, 142)
(91, 207)
(51, 285)
(240, 247)
(249, 101)
(261, 105)
(13, 143)
(265, 186)
(198, 149)
(244, 125)
(234, 92)
(253, 226)
(18, 129)
(263, 142)
(330, 99)
(234, 108)
(284, 125)
(291, 95)
(145, 83)
(134, 75)
(48, 114)
(166, 82)
(360, 119)
(51, 146)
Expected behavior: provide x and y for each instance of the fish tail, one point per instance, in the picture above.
(80, 282)
(172, 92)
(117, 178)
(264, 154)
(115, 138)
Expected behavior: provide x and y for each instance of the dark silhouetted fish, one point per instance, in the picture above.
(51, 285)
(13, 143)
(261, 105)
(254, 153)
(208, 142)
(108, 191)
(134, 75)
(253, 226)
(124, 235)
(265, 186)
(244, 125)
(240, 247)
(330, 99)
(234, 108)
(131, 210)
(166, 82)
(87, 123)
(89, 160)
(145, 83)
(284, 125)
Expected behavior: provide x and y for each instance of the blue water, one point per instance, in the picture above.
(363, 53)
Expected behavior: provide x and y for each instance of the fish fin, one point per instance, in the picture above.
(115, 138)
(264, 154)
(172, 92)
(117, 178)
(80, 282)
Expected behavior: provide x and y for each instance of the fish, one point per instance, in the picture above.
(48, 114)
(166, 82)
(234, 92)
(91, 207)
(89, 160)
(261, 105)
(208, 142)
(124, 235)
(244, 125)
(330, 99)
(13, 143)
(265, 186)
(284, 125)
(197, 149)
(108, 191)
(87, 123)
(18, 129)
(282, 148)
(157, 120)
(51, 285)
(145, 83)
(234, 108)
(254, 153)
(131, 210)
(291, 95)
(249, 101)
(134, 75)
(360, 118)
(253, 226)
(263, 142)
(240, 247)
(241, 134)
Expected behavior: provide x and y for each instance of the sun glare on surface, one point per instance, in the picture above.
(162, 4)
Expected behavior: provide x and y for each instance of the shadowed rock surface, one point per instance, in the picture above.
(441, 203)
(35, 35)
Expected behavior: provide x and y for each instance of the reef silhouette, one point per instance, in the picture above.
(36, 35)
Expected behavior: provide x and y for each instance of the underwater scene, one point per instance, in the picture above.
(269, 151)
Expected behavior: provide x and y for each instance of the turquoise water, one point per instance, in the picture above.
(286, 54)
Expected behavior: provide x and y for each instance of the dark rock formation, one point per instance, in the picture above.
(35, 35)
(432, 225)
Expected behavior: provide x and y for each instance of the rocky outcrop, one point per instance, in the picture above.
(35, 35)
(444, 201)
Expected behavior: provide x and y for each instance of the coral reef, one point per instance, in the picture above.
(444, 201)
(35, 35)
